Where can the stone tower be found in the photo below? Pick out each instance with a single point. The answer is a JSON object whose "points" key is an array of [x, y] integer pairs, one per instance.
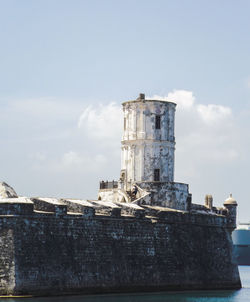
{"points": [[148, 142], [148, 147], [147, 163]]}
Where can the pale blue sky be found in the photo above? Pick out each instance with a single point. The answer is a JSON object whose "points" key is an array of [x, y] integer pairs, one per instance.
{"points": [[58, 57], [113, 49]]}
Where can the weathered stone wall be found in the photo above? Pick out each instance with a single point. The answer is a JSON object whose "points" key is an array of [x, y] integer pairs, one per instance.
{"points": [[170, 194], [145, 148], [77, 253], [7, 259]]}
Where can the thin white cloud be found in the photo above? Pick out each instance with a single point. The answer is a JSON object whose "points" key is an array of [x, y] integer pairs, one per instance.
{"points": [[213, 113], [72, 158], [205, 136], [102, 122], [71, 161], [183, 98], [203, 130], [39, 156], [38, 119], [45, 107], [86, 162]]}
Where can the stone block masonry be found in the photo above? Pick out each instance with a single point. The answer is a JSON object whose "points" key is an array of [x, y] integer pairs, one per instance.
{"points": [[7, 260], [43, 254]]}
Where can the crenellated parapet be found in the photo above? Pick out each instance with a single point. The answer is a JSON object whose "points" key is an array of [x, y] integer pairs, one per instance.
{"points": [[229, 211], [16, 206], [141, 209]]}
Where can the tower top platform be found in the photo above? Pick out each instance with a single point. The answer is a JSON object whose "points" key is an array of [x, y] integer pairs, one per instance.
{"points": [[142, 98]]}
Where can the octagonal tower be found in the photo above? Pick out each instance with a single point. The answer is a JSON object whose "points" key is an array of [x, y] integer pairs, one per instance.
{"points": [[148, 142]]}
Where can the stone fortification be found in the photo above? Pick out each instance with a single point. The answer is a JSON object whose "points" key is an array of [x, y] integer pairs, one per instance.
{"points": [[142, 234], [54, 246]]}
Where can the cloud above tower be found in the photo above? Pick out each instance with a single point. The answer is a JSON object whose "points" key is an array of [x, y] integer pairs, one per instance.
{"points": [[69, 143], [102, 121], [183, 98]]}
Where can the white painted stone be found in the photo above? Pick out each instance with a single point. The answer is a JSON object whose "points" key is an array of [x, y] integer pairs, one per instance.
{"points": [[7, 191], [145, 148]]}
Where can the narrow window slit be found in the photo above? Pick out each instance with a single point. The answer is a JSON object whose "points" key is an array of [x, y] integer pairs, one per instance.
{"points": [[156, 174], [157, 122]]}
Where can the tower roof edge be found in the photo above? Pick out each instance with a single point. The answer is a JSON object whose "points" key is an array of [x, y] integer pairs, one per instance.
{"points": [[148, 100]]}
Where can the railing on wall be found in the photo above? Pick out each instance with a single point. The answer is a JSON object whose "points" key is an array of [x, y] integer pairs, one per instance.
{"points": [[108, 184]]}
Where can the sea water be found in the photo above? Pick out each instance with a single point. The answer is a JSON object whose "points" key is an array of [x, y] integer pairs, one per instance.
{"points": [[242, 295]]}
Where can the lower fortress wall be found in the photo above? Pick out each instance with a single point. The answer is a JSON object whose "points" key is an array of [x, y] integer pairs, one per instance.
{"points": [[45, 254]]}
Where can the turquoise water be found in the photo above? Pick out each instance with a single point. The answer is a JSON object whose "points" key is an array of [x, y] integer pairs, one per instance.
{"points": [[242, 295]]}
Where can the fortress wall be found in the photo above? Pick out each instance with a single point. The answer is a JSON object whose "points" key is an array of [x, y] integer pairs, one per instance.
{"points": [[7, 261], [71, 254]]}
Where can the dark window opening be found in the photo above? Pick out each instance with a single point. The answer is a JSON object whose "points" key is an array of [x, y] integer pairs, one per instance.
{"points": [[157, 122], [156, 174]]}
